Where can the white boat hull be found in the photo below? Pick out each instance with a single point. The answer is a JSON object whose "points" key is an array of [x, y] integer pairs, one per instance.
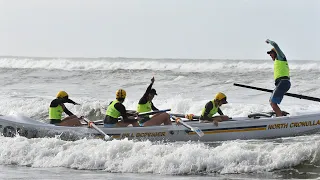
{"points": [[238, 128]]}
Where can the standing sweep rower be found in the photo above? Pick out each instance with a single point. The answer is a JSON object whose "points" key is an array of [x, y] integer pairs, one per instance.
{"points": [[57, 107], [281, 76], [145, 105]]}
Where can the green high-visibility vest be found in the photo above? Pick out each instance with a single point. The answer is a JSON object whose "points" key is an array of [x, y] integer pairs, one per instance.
{"points": [[212, 111], [281, 69], [144, 107], [112, 111], [55, 112]]}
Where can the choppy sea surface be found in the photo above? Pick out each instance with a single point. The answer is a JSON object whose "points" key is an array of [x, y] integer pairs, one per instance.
{"points": [[28, 84]]}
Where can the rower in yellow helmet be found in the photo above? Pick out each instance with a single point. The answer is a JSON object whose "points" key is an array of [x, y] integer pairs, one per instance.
{"points": [[56, 109], [213, 107], [117, 109], [145, 105], [281, 76]]}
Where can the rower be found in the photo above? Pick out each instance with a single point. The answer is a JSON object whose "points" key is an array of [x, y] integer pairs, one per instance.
{"points": [[145, 105], [212, 107], [57, 107], [281, 76], [117, 109]]}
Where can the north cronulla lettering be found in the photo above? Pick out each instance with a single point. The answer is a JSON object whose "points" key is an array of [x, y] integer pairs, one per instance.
{"points": [[278, 126], [294, 124]]}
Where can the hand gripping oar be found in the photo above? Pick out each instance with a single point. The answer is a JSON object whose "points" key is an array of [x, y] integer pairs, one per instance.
{"points": [[193, 117], [92, 125], [194, 129], [153, 112], [287, 94]]}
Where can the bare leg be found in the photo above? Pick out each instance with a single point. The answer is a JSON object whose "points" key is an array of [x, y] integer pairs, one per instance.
{"points": [[276, 109], [122, 124], [71, 121], [224, 118], [158, 119], [136, 124]]}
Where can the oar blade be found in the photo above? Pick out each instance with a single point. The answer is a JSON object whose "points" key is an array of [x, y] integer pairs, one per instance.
{"points": [[194, 129], [92, 125], [198, 131], [106, 137]]}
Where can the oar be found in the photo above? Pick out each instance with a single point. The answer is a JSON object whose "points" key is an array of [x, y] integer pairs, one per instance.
{"points": [[184, 116], [194, 129], [92, 125], [131, 111], [287, 94], [153, 112]]}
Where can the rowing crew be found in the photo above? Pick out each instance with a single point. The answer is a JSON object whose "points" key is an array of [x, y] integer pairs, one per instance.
{"points": [[117, 109]]}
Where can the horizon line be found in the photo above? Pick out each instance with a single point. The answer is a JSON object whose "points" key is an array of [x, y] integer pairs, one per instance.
{"points": [[163, 58]]}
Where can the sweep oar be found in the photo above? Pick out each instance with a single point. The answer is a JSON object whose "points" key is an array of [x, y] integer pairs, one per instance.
{"points": [[92, 125], [287, 94], [153, 112], [194, 129], [131, 111]]}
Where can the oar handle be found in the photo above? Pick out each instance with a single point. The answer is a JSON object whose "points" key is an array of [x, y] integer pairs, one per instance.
{"points": [[153, 112], [184, 116]]}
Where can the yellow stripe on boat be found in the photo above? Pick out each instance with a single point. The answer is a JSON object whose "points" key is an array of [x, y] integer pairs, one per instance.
{"points": [[231, 130]]}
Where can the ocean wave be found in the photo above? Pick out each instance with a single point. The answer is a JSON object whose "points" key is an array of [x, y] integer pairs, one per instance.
{"points": [[179, 65], [127, 156]]}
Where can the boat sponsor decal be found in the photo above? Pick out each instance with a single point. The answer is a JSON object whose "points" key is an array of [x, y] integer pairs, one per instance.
{"points": [[229, 130], [143, 134], [294, 124]]}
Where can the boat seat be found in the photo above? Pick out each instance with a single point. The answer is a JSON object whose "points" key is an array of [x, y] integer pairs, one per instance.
{"points": [[265, 114]]}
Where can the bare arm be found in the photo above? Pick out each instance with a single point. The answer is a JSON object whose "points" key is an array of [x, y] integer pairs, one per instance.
{"points": [[280, 54], [144, 98]]}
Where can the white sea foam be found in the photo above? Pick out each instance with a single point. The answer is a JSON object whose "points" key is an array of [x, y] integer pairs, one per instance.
{"points": [[158, 158]]}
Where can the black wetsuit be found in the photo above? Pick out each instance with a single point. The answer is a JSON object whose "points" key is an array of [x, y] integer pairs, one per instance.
{"points": [[207, 110], [60, 101], [144, 98], [122, 109]]}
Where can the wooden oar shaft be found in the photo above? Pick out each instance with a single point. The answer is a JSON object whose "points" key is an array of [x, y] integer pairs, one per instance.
{"points": [[287, 94], [92, 125]]}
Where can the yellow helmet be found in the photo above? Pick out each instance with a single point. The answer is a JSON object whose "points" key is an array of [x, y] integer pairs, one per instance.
{"points": [[121, 94], [221, 97], [62, 94]]}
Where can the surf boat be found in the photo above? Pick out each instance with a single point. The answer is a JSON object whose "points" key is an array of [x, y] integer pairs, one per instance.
{"points": [[255, 126]]}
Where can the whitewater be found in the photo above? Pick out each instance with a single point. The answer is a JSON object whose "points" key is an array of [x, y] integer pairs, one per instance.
{"points": [[28, 84]]}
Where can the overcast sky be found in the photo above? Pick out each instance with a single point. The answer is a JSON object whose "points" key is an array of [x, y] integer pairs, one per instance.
{"points": [[212, 29]]}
